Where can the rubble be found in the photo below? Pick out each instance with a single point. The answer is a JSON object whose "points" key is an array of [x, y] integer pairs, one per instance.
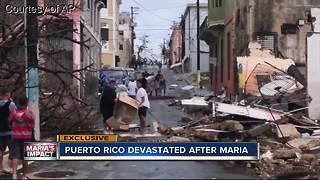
{"points": [[178, 139], [286, 153], [273, 112], [231, 125], [287, 139], [287, 131]]}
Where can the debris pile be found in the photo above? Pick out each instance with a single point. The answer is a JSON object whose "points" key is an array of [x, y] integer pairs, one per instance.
{"points": [[273, 112]]}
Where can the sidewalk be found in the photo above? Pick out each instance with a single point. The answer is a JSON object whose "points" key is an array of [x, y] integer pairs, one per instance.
{"points": [[7, 165]]}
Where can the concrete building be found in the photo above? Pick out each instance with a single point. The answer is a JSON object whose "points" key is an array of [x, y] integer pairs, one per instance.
{"points": [[125, 35], [280, 26], [189, 21], [175, 45], [109, 17], [88, 54]]}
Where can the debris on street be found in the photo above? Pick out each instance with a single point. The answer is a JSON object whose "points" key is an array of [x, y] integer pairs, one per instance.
{"points": [[273, 112], [124, 112]]}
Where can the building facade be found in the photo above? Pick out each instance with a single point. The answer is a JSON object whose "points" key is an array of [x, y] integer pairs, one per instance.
{"points": [[125, 34], [109, 33], [88, 53], [280, 26], [189, 62], [175, 45]]}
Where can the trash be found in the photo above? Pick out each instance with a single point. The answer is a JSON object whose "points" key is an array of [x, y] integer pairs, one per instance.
{"points": [[174, 102], [174, 86], [286, 153], [195, 101], [186, 120], [231, 125], [258, 130], [299, 142], [125, 111], [178, 139], [255, 113], [287, 130], [267, 155], [189, 87], [310, 158]]}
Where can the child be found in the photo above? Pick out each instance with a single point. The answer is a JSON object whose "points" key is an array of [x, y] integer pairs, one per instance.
{"points": [[144, 104], [6, 108], [22, 122]]}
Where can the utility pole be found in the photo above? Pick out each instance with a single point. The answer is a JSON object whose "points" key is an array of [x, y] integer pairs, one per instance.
{"points": [[198, 44], [132, 32], [164, 51], [132, 27], [31, 55]]}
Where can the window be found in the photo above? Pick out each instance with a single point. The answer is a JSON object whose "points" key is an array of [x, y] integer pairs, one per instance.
{"points": [[88, 4], [105, 3], [267, 40], [216, 3], [104, 34], [121, 33], [238, 16], [121, 46], [229, 56], [221, 60]]}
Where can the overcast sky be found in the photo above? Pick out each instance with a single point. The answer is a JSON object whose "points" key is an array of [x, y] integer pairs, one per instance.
{"points": [[155, 18]]}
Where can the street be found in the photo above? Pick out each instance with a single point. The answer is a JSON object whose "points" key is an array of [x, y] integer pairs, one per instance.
{"points": [[241, 77], [166, 116]]}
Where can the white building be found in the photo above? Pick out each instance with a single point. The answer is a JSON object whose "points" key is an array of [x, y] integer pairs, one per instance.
{"points": [[125, 35], [189, 19], [109, 17]]}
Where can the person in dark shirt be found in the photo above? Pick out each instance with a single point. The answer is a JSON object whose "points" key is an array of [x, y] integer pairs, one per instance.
{"points": [[107, 101]]}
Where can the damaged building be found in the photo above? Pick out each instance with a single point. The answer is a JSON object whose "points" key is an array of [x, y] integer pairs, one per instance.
{"points": [[281, 26]]}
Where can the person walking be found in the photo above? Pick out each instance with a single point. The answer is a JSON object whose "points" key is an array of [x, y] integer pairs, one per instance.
{"points": [[22, 123], [7, 107], [162, 85], [160, 65], [144, 104], [132, 88], [157, 81], [108, 100]]}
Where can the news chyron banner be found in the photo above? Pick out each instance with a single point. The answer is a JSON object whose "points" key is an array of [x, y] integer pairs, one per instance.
{"points": [[106, 147]]}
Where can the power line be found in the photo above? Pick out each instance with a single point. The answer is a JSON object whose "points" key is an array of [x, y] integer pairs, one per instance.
{"points": [[172, 7], [151, 12]]}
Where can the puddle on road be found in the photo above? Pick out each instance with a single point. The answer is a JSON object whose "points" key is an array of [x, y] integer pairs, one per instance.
{"points": [[55, 174]]}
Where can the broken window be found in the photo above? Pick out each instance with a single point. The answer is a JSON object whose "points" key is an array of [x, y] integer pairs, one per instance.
{"points": [[267, 40]]}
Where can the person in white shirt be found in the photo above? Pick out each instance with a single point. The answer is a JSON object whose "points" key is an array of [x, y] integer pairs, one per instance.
{"points": [[144, 104], [132, 88]]}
